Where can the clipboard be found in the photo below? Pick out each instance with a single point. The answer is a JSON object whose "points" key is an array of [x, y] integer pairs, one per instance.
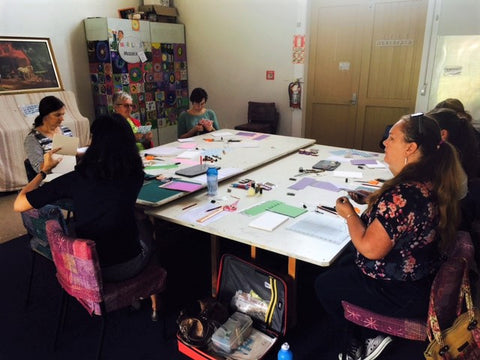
{"points": [[192, 171]]}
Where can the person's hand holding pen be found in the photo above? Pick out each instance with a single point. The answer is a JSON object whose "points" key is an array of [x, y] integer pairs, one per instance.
{"points": [[207, 124], [359, 196], [344, 208]]}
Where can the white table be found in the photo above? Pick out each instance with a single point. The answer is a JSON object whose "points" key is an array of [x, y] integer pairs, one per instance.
{"points": [[234, 225], [236, 157]]}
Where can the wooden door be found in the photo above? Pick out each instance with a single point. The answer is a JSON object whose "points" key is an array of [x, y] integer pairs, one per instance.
{"points": [[364, 63]]}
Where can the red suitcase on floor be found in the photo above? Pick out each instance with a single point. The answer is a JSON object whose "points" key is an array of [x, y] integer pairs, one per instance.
{"points": [[245, 289]]}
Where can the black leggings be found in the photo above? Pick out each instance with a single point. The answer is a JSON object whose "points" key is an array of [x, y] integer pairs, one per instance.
{"points": [[345, 281]]}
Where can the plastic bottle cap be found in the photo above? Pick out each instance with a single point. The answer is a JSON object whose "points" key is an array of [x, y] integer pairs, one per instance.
{"points": [[285, 346]]}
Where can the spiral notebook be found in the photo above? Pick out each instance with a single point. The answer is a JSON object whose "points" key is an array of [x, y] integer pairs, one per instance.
{"points": [[322, 226]]}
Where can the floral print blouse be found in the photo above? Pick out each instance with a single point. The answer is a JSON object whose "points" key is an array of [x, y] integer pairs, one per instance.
{"points": [[409, 214]]}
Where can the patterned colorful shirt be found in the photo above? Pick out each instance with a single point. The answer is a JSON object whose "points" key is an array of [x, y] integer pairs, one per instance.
{"points": [[409, 214]]}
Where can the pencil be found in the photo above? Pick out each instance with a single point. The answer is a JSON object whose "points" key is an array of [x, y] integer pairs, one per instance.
{"points": [[189, 206], [214, 208]]}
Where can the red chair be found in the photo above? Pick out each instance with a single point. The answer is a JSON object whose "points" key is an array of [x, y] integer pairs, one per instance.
{"points": [[79, 274], [445, 289]]}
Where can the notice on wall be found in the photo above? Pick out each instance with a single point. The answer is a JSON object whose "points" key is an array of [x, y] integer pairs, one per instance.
{"points": [[298, 51]]}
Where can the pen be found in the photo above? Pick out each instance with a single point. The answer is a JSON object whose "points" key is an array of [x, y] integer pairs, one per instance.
{"points": [[214, 208], [189, 206], [241, 186], [327, 209]]}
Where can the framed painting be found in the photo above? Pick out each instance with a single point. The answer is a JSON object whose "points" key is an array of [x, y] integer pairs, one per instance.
{"points": [[27, 65]]}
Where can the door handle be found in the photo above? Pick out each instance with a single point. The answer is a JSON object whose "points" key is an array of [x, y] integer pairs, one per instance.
{"points": [[353, 101]]}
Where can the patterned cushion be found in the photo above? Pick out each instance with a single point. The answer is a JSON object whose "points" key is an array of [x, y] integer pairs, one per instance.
{"points": [[34, 221], [413, 329], [78, 272], [445, 290]]}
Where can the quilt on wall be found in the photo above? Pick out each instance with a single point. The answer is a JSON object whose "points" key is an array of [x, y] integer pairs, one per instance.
{"points": [[158, 85]]}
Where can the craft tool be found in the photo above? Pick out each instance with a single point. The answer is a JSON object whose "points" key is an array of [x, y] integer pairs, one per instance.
{"points": [[327, 209], [212, 214], [214, 208], [189, 206], [241, 186]]}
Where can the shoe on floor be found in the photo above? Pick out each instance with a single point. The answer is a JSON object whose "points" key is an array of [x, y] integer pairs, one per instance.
{"points": [[354, 352], [375, 346]]}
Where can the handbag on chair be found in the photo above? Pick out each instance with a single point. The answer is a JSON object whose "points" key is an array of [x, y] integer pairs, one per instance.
{"points": [[462, 339]]}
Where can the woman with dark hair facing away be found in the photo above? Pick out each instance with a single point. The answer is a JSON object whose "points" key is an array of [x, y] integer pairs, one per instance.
{"points": [[459, 132], [398, 240], [197, 120], [104, 188], [456, 105], [46, 125]]}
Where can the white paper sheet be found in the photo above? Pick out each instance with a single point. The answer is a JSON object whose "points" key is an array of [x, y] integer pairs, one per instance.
{"points": [[68, 144]]}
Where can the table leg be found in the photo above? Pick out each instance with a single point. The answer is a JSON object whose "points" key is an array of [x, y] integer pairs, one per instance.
{"points": [[214, 251], [253, 252], [292, 266]]}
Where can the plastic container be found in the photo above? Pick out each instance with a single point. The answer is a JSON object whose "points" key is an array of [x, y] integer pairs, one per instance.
{"points": [[212, 181], [285, 353], [233, 333]]}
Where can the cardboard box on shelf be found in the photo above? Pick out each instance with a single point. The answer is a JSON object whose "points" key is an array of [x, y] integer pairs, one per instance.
{"points": [[157, 2], [159, 13]]}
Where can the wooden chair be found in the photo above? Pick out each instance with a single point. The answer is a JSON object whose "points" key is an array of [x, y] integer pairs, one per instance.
{"points": [[262, 117], [79, 274], [445, 289]]}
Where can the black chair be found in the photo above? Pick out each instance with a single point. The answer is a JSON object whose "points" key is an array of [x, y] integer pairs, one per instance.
{"points": [[262, 117], [65, 204], [31, 173]]}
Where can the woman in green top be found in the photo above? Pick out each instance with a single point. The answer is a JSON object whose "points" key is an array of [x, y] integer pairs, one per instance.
{"points": [[198, 119]]}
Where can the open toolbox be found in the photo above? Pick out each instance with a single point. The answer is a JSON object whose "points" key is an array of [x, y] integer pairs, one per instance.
{"points": [[257, 302]]}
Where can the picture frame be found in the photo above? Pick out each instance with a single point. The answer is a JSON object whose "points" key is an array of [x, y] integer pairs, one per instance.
{"points": [[123, 13], [27, 65]]}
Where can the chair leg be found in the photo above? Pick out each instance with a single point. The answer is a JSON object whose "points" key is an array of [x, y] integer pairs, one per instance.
{"points": [[154, 307], [61, 317], [102, 335], [30, 279]]}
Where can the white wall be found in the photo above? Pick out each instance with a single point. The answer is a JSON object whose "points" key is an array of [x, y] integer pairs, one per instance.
{"points": [[231, 44], [62, 22], [445, 17]]}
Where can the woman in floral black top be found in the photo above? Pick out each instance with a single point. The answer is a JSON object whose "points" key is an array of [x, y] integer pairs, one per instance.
{"points": [[398, 239]]}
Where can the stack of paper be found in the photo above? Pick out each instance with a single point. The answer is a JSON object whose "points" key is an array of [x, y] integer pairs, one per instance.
{"points": [[269, 221]]}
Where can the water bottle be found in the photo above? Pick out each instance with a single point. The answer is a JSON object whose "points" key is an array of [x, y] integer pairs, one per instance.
{"points": [[212, 181], [285, 353]]}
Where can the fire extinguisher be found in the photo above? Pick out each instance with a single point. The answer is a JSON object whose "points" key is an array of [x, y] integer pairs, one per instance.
{"points": [[294, 93]]}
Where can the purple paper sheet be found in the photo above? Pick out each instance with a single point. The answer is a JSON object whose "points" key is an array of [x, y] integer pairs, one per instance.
{"points": [[241, 133], [261, 137], [363, 161], [326, 186], [182, 186], [302, 184]]}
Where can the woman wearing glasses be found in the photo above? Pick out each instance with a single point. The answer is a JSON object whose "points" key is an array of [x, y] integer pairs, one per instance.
{"points": [[123, 105], [198, 119], [398, 240]]}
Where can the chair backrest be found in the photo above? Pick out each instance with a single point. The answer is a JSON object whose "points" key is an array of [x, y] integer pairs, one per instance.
{"points": [[78, 268], [446, 286], [30, 171], [261, 112], [35, 221]]}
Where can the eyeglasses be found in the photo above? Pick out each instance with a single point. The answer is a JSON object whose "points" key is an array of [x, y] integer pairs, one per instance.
{"points": [[420, 122], [126, 105]]}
